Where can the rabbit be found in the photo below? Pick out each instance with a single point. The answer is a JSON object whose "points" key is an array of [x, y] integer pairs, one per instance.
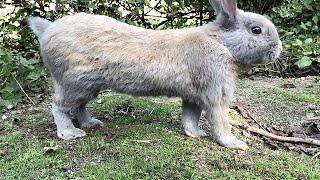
{"points": [[89, 53]]}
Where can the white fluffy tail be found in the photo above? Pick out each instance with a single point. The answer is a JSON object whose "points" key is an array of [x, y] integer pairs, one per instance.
{"points": [[38, 25]]}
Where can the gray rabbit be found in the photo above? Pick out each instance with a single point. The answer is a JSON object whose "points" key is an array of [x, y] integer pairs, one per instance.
{"points": [[88, 53]]}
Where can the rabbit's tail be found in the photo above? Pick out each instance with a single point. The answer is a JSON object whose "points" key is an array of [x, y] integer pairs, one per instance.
{"points": [[38, 25]]}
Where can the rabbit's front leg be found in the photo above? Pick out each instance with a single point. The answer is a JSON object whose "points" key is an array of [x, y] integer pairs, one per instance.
{"points": [[191, 113], [221, 129]]}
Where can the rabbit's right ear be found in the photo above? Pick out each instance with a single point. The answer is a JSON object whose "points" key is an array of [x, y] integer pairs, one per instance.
{"points": [[226, 10]]}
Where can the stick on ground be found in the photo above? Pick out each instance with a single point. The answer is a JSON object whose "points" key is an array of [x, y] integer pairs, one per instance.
{"points": [[280, 138]]}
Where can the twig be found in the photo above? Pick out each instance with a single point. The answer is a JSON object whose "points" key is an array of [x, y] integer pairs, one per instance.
{"points": [[257, 122], [313, 119], [151, 111], [153, 8], [245, 114], [313, 157], [280, 138], [146, 141], [23, 90]]}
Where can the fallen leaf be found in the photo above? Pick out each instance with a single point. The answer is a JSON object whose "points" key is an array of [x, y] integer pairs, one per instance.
{"points": [[312, 129], [3, 153], [110, 137], [94, 128], [51, 150], [290, 85], [309, 86], [309, 129]]}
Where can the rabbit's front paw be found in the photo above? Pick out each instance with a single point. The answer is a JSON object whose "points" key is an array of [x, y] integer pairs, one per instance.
{"points": [[71, 133], [231, 141]]}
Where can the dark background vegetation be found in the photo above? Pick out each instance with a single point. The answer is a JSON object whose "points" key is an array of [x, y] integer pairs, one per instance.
{"points": [[21, 68]]}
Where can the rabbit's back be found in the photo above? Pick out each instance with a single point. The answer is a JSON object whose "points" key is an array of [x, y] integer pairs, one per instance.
{"points": [[126, 58], [83, 39]]}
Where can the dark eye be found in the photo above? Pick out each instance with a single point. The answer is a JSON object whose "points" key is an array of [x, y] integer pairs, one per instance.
{"points": [[256, 30]]}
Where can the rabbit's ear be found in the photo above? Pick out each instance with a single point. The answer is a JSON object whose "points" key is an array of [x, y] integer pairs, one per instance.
{"points": [[226, 9], [216, 4]]}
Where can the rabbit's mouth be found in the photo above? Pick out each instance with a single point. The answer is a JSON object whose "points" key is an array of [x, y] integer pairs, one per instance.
{"points": [[274, 53]]}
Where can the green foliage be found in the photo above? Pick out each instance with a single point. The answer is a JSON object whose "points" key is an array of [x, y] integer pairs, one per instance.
{"points": [[16, 71], [20, 66], [299, 21]]}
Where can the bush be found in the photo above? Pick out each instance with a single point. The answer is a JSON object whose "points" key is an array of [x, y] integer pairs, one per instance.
{"points": [[20, 66], [299, 21]]}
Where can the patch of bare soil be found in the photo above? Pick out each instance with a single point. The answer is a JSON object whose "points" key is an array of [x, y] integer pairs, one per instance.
{"points": [[278, 112], [277, 121]]}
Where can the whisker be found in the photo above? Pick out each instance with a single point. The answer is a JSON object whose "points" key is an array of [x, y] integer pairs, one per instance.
{"points": [[278, 67]]}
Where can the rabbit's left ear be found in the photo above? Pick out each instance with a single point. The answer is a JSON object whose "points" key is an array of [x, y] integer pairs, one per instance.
{"points": [[226, 10]]}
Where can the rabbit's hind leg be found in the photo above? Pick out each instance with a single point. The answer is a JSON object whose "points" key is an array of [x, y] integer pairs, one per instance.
{"points": [[190, 119], [61, 109], [85, 119]]}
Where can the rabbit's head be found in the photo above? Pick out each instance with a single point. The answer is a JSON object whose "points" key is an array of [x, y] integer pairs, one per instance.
{"points": [[250, 37]]}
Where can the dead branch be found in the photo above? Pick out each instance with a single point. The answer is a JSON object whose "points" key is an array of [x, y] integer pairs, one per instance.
{"points": [[313, 157], [245, 114], [280, 138], [314, 119]]}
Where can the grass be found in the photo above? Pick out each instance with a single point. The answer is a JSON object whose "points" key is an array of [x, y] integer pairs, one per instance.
{"points": [[142, 139], [281, 95], [275, 90]]}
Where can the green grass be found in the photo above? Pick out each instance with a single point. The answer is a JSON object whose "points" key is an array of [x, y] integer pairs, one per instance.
{"points": [[24, 158], [144, 141], [296, 98]]}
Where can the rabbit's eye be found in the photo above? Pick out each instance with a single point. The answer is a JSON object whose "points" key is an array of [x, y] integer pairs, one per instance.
{"points": [[256, 30]]}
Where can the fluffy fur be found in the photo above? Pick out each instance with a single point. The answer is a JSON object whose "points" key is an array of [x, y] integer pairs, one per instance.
{"points": [[88, 53]]}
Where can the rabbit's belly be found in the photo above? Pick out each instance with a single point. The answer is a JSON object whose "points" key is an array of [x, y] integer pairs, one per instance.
{"points": [[88, 83], [142, 88]]}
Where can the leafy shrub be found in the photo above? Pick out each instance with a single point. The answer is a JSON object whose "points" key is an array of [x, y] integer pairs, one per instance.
{"points": [[16, 71], [299, 22]]}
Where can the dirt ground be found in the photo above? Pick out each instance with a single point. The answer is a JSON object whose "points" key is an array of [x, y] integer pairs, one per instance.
{"points": [[280, 102]]}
